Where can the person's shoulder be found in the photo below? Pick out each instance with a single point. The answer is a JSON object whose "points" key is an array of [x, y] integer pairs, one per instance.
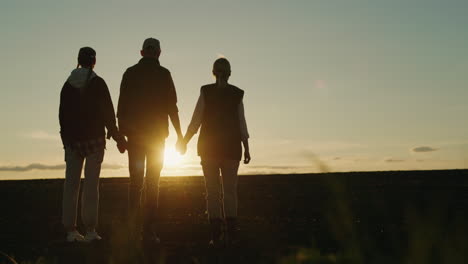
{"points": [[236, 89], [164, 70], [207, 87], [66, 86], [131, 68], [98, 80]]}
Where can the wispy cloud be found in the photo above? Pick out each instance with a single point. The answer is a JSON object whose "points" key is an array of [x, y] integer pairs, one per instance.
{"points": [[39, 166], [276, 169], [392, 160], [107, 166], [423, 149], [42, 135], [34, 166], [273, 167]]}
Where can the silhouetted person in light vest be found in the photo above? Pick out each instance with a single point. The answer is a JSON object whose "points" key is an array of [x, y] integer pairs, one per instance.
{"points": [[85, 111], [147, 98], [220, 113]]}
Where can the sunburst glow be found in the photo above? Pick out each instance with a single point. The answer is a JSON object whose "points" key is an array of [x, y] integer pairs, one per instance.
{"points": [[172, 157]]}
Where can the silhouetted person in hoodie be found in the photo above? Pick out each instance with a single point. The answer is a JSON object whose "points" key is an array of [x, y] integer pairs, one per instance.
{"points": [[147, 99], [85, 111]]}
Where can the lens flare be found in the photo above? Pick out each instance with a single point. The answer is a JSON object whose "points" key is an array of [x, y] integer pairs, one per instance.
{"points": [[172, 157]]}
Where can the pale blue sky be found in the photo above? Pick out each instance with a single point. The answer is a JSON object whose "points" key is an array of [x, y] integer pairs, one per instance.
{"points": [[357, 83]]}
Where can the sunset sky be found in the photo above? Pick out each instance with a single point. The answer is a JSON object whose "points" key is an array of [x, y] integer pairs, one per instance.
{"points": [[355, 85]]}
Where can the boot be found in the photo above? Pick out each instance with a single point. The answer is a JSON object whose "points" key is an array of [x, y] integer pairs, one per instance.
{"points": [[232, 231], [216, 229]]}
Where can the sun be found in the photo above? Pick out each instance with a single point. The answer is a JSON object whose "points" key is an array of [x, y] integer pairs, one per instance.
{"points": [[172, 157]]}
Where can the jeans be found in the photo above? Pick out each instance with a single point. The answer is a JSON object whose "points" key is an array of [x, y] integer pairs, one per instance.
{"points": [[90, 197], [221, 192], [143, 189]]}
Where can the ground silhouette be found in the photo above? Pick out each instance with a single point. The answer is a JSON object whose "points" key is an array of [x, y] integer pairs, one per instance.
{"points": [[361, 217]]}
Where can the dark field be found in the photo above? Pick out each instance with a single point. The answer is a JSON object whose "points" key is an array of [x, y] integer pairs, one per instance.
{"points": [[372, 217]]}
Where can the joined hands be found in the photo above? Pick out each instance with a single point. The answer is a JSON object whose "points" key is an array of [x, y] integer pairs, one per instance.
{"points": [[181, 146], [121, 142]]}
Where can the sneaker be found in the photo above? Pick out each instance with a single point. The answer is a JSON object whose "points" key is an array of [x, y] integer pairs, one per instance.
{"points": [[216, 244], [75, 236], [91, 236]]}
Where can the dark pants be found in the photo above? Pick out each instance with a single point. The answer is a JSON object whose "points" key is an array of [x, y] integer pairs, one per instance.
{"points": [[143, 189]]}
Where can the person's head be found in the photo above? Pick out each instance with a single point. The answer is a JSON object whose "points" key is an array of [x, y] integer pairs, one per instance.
{"points": [[222, 69], [86, 57], [151, 48]]}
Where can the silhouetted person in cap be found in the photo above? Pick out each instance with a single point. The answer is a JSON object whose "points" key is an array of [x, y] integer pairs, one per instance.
{"points": [[220, 113], [85, 111], [147, 98]]}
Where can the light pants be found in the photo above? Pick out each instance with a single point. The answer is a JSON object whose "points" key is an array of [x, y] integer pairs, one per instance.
{"points": [[221, 192], [143, 190], [90, 197]]}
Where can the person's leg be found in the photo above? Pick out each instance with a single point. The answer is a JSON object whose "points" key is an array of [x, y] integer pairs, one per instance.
{"points": [[213, 187], [154, 165], [229, 169], [213, 199], [136, 165], [71, 188], [90, 197]]}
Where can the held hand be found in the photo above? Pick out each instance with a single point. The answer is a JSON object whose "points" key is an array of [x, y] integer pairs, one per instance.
{"points": [[181, 146], [121, 142], [122, 145], [247, 157]]}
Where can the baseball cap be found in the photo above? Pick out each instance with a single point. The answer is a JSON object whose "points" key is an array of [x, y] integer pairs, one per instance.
{"points": [[151, 43]]}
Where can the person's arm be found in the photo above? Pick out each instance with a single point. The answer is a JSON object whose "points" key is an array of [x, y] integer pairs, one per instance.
{"points": [[196, 121], [61, 110], [247, 157], [62, 118], [108, 113], [122, 104], [244, 133], [180, 146], [173, 111], [109, 119], [176, 123]]}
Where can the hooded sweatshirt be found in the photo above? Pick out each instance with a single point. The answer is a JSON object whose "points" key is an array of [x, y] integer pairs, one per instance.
{"points": [[86, 108], [79, 76]]}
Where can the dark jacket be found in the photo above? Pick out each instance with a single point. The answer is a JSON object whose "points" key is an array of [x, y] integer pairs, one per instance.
{"points": [[147, 97], [220, 136], [85, 111]]}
